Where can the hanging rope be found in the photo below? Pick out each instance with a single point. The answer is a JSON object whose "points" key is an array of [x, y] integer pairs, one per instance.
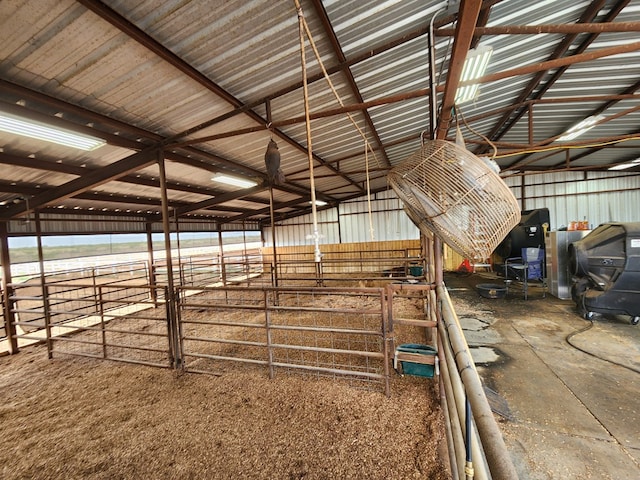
{"points": [[366, 163], [305, 88], [367, 146], [335, 92], [458, 111]]}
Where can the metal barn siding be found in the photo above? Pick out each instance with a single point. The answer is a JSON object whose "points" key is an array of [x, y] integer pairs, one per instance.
{"points": [[597, 197], [349, 224]]}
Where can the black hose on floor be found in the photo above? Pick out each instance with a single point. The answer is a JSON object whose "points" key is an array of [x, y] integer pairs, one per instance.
{"points": [[588, 327]]}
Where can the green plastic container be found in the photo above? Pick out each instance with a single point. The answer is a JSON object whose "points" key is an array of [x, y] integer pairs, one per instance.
{"points": [[416, 270], [414, 368]]}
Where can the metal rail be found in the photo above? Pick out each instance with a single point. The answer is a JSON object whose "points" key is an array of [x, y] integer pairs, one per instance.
{"points": [[287, 328], [461, 384]]}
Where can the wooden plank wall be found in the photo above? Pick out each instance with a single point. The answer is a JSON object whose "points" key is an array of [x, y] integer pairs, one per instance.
{"points": [[391, 249]]}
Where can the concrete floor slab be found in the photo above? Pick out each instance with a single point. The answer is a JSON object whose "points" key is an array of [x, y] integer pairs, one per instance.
{"points": [[539, 399], [572, 387], [550, 455], [609, 392]]}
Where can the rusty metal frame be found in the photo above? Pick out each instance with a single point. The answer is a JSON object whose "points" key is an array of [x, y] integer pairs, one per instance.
{"points": [[268, 304]]}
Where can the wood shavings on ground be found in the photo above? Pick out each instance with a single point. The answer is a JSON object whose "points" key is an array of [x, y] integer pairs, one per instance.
{"points": [[76, 418]]}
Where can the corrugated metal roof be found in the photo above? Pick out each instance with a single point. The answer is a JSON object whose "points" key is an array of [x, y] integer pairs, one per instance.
{"points": [[152, 74]]}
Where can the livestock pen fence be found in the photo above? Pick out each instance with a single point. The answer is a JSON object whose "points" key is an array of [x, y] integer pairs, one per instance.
{"points": [[365, 263], [346, 334], [214, 322], [342, 333]]}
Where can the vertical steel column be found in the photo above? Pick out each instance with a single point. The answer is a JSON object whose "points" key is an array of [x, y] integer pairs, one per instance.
{"points": [[433, 86], [267, 320], [273, 238], [45, 292], [170, 292], [386, 297], [181, 273], [245, 258], [433, 131], [437, 260], [103, 326], [7, 289], [94, 280], [223, 270], [339, 229], [151, 267]]}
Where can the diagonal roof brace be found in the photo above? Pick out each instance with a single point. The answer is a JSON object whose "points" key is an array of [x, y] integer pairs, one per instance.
{"points": [[109, 15], [114, 171], [225, 197]]}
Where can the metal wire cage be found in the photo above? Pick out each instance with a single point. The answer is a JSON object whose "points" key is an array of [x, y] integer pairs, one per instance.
{"points": [[457, 196]]}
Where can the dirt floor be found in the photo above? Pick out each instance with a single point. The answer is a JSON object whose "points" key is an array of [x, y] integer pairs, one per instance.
{"points": [[77, 418]]}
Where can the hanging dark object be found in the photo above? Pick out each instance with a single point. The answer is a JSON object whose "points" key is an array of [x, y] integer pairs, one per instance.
{"points": [[275, 176]]}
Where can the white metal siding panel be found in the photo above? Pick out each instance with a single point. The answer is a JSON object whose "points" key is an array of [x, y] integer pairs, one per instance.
{"points": [[599, 198], [388, 219]]}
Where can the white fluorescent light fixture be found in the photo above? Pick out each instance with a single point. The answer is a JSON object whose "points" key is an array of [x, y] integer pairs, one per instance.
{"points": [[624, 166], [474, 67], [41, 131], [319, 203], [580, 128], [234, 181]]}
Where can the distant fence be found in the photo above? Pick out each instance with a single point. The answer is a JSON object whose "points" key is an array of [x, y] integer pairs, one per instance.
{"points": [[21, 271], [352, 262]]}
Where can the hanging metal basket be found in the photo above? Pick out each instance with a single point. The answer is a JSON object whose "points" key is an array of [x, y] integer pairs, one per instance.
{"points": [[457, 196]]}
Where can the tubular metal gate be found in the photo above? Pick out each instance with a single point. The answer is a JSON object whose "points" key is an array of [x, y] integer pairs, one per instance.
{"points": [[335, 332], [115, 322]]}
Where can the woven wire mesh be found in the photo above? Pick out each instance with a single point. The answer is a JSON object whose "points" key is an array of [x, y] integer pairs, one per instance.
{"points": [[457, 196]]}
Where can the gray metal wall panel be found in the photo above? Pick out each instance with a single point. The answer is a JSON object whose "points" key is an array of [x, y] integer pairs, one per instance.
{"points": [[351, 223], [572, 196]]}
